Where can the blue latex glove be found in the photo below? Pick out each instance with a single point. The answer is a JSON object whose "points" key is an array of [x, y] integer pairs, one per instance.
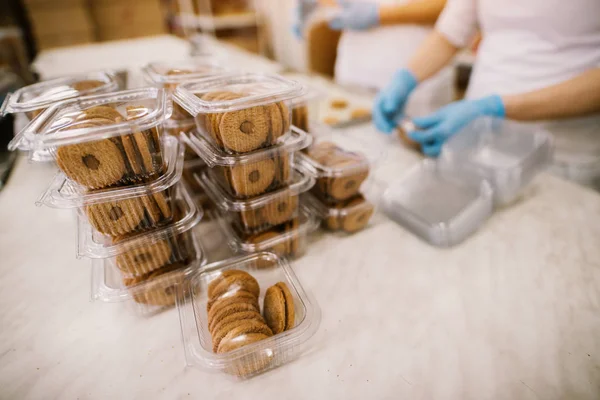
{"points": [[355, 16], [302, 11], [390, 102], [448, 120]]}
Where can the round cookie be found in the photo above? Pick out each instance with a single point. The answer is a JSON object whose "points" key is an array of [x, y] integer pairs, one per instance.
{"points": [[278, 308], [116, 218], [221, 329], [280, 210], [276, 122], [161, 289], [357, 219], [248, 364], [253, 178], [285, 116], [145, 259], [217, 315], [280, 248], [241, 296], [331, 120], [233, 279], [245, 130], [283, 169], [106, 112], [245, 327], [360, 113], [345, 187], [239, 316], [86, 85], [339, 104]]}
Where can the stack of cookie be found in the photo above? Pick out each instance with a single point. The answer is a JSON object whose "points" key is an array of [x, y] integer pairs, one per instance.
{"points": [[245, 137], [234, 316], [336, 197], [121, 173]]}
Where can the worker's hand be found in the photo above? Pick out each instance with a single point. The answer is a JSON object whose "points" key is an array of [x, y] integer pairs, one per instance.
{"points": [[356, 16], [302, 11], [447, 121], [390, 102]]}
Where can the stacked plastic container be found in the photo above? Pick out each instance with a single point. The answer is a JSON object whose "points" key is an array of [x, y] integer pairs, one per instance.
{"points": [[121, 172], [342, 167], [245, 137]]}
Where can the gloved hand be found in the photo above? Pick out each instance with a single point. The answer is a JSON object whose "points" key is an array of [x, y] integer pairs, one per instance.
{"points": [[448, 120], [356, 16], [302, 11], [390, 102]]}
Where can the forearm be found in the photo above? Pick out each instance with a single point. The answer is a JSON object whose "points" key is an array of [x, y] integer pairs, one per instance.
{"points": [[423, 12], [435, 53], [576, 97]]}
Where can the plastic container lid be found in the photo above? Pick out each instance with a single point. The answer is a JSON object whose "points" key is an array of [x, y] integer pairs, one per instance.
{"points": [[107, 278], [213, 156], [64, 193], [92, 244], [172, 73], [257, 357], [48, 129], [505, 153], [440, 205], [301, 183], [44, 94], [258, 89]]}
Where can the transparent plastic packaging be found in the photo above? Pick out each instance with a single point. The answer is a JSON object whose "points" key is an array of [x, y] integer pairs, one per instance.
{"points": [[241, 345], [34, 99], [144, 252], [169, 74], [251, 174], [105, 140], [286, 240], [506, 154], [176, 128], [439, 205], [148, 293], [349, 216], [262, 212], [192, 168], [240, 113], [306, 109], [127, 209]]}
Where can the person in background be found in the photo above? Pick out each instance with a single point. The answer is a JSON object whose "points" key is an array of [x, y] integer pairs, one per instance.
{"points": [[379, 37], [539, 61]]}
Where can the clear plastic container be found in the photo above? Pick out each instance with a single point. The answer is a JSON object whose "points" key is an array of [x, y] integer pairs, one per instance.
{"points": [[176, 128], [286, 240], [306, 109], [262, 212], [144, 252], [149, 293], [439, 205], [34, 99], [340, 164], [169, 74], [260, 352], [505, 153], [127, 209], [190, 169], [105, 140], [251, 174], [240, 113], [349, 216]]}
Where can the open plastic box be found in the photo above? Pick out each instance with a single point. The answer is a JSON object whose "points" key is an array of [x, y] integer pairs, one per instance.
{"points": [[268, 269], [488, 163]]}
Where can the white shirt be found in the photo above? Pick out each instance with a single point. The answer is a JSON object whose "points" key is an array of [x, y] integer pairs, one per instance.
{"points": [[370, 58], [528, 45]]}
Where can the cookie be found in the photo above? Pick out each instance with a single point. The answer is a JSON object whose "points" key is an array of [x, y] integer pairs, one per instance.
{"points": [[240, 296], [250, 363], [281, 210], [331, 120], [276, 121], [280, 248], [116, 218], [300, 117], [359, 218], [360, 113], [143, 148], [252, 179], [236, 335], [235, 317], [161, 288], [221, 329], [278, 308], [338, 104], [284, 110], [101, 112], [233, 280], [282, 170], [146, 258], [345, 187], [217, 315], [86, 85], [294, 238], [245, 130]]}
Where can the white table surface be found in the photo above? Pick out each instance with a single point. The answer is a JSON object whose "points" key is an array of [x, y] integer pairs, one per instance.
{"points": [[512, 313]]}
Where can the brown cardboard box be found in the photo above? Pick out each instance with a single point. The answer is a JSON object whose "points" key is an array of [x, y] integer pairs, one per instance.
{"points": [[128, 32], [64, 39], [59, 20], [130, 12]]}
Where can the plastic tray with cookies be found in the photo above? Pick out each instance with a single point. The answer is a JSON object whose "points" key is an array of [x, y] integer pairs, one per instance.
{"points": [[349, 216], [163, 243], [245, 315], [263, 212], [176, 128], [305, 109], [289, 239], [150, 292], [105, 140], [169, 74], [125, 209], [240, 113], [251, 174]]}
